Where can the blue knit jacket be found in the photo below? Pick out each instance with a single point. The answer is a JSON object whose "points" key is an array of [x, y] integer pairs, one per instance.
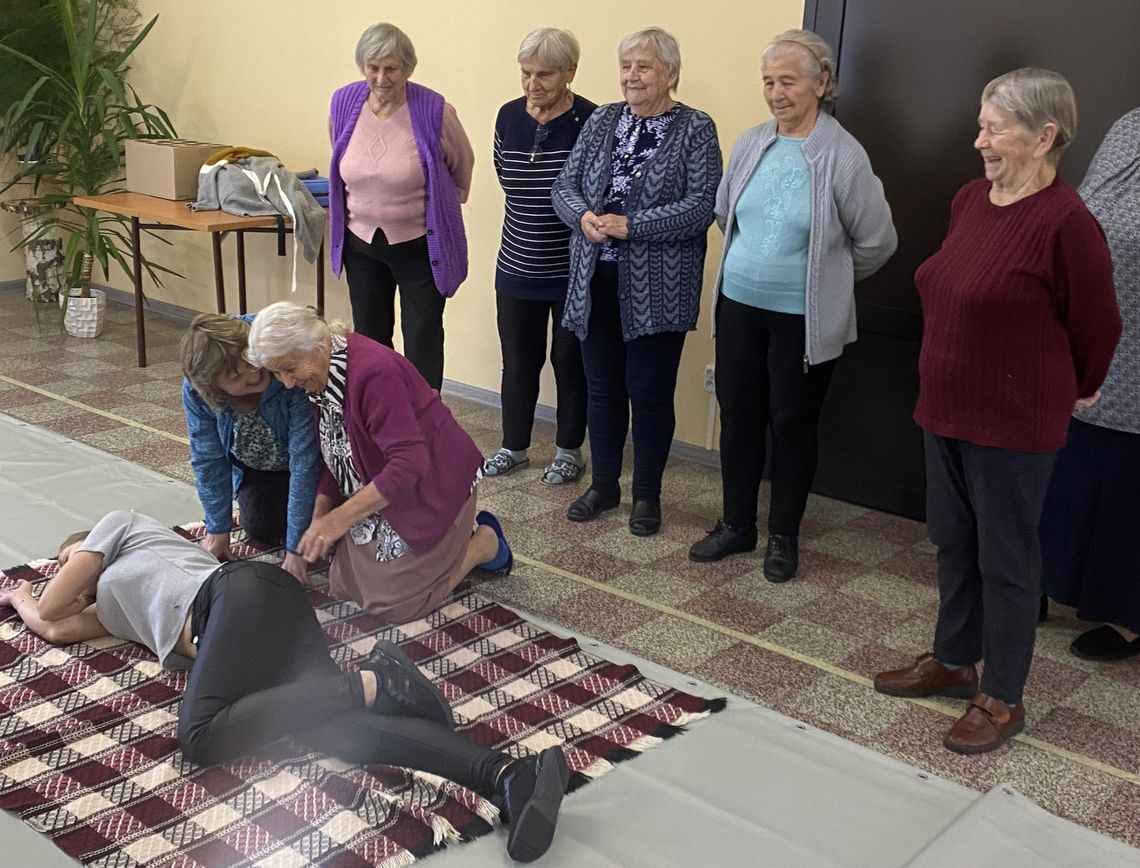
{"points": [[669, 209]]}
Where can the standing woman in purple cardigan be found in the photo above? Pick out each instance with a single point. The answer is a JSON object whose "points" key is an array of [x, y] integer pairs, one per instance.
{"points": [[395, 505], [401, 167]]}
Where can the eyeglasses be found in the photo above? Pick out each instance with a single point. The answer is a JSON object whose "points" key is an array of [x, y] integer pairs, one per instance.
{"points": [[540, 134]]}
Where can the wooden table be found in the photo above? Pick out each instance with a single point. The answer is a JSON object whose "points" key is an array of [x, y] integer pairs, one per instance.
{"points": [[167, 214]]}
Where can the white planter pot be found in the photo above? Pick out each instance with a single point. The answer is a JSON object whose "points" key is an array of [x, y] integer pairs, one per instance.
{"points": [[83, 317]]}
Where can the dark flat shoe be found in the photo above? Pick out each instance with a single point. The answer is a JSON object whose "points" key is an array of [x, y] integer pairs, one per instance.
{"points": [[1104, 643], [645, 516], [782, 557], [593, 503]]}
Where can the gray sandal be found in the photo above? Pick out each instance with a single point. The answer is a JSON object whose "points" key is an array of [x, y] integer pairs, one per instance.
{"points": [[502, 463], [560, 471]]}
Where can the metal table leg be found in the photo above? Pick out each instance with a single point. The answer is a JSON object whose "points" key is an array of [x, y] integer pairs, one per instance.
{"points": [[136, 262], [241, 270], [219, 277]]}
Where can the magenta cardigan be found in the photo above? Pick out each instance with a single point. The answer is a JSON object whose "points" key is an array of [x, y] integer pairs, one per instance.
{"points": [[406, 441], [446, 237]]}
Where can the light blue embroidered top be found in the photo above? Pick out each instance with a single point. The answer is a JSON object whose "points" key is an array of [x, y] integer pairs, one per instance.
{"points": [[766, 263]]}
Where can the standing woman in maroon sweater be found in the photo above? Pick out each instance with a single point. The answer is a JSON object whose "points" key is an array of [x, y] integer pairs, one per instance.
{"points": [[1020, 324]]}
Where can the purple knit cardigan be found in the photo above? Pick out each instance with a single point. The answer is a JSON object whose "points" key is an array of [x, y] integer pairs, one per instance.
{"points": [[446, 238]]}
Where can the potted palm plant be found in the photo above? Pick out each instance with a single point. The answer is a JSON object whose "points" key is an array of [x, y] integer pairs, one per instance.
{"points": [[67, 131]]}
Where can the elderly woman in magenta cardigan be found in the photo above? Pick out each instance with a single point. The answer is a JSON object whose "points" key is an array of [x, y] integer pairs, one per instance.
{"points": [[396, 502], [401, 166], [638, 193]]}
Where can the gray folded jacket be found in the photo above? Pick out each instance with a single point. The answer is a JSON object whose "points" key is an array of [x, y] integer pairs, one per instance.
{"points": [[261, 186]]}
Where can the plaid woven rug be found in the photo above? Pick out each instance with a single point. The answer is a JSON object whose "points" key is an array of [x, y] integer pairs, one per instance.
{"points": [[89, 756]]}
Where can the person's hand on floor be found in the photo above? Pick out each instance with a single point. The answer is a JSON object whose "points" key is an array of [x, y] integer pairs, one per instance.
{"points": [[295, 566], [9, 596], [218, 544]]}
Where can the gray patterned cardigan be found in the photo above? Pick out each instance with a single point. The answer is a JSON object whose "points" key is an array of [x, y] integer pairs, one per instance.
{"points": [[669, 209], [1111, 189]]}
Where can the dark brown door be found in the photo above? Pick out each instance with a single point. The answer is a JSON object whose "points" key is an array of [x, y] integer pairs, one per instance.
{"points": [[910, 75]]}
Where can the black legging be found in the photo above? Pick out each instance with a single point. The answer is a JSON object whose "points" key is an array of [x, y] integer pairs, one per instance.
{"points": [[263, 671]]}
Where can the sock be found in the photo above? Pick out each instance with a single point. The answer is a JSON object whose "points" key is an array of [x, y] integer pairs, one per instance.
{"points": [[574, 456], [516, 454], [951, 666]]}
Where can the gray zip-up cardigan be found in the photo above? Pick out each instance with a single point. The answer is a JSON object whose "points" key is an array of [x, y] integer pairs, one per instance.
{"points": [[851, 233], [669, 209]]}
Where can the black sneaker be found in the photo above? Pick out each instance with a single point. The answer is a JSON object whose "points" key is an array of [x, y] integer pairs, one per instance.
{"points": [[402, 689], [533, 789], [781, 558], [722, 541]]}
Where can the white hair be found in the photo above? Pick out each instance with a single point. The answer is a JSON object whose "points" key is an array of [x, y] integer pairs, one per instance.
{"points": [[1037, 97], [382, 40], [660, 42], [554, 48], [815, 54], [282, 328]]}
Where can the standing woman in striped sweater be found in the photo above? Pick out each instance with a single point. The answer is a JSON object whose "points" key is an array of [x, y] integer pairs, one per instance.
{"points": [[534, 135], [1019, 326]]}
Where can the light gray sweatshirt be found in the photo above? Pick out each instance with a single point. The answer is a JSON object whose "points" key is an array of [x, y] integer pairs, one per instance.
{"points": [[851, 232]]}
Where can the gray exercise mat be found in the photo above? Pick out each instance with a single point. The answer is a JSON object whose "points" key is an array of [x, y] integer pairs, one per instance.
{"points": [[746, 787]]}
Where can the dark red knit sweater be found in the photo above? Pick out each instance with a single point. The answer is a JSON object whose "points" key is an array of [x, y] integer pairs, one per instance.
{"points": [[1020, 319]]}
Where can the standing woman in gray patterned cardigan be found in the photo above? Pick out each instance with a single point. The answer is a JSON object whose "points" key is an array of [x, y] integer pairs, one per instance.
{"points": [[638, 193], [804, 217], [1089, 539]]}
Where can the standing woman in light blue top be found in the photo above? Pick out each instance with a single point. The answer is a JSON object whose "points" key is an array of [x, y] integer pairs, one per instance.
{"points": [[249, 436], [803, 217]]}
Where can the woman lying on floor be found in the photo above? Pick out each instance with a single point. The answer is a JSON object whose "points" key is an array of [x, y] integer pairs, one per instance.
{"points": [[132, 578]]}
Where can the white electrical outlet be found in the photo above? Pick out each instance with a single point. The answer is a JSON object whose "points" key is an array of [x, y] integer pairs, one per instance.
{"points": [[710, 379]]}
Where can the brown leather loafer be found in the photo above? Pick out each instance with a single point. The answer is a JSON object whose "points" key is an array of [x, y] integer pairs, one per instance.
{"points": [[987, 724], [928, 677]]}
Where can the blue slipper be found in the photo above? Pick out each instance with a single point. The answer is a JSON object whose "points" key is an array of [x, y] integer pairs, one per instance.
{"points": [[501, 564]]}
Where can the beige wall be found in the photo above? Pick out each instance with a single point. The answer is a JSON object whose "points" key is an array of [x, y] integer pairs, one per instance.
{"points": [[260, 74]]}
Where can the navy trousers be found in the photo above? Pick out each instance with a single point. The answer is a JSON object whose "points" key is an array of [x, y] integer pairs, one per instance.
{"points": [[983, 509]]}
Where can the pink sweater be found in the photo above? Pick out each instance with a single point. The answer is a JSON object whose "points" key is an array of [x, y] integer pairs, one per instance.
{"points": [[1020, 319], [383, 177]]}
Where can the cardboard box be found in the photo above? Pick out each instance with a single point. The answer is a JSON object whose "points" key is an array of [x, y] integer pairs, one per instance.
{"points": [[167, 168]]}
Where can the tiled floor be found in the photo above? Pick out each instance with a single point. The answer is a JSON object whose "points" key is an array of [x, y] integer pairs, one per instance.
{"points": [[865, 598]]}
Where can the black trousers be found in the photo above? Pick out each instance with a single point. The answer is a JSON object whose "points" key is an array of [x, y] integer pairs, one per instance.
{"points": [[620, 374], [263, 672], [983, 509], [523, 327], [374, 271], [263, 504], [761, 384]]}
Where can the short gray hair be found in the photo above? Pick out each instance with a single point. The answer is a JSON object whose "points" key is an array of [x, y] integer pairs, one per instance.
{"points": [[1037, 97], [282, 328], [662, 43], [815, 50], [380, 41], [554, 48]]}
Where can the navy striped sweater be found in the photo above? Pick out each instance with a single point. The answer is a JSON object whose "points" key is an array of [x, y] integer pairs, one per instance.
{"points": [[534, 255]]}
